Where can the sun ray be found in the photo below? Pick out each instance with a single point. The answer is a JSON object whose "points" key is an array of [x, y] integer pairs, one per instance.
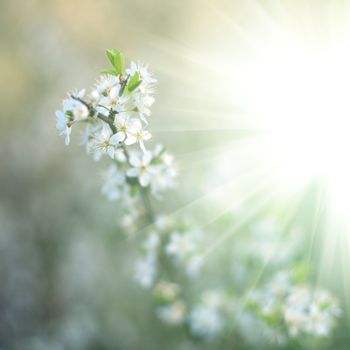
{"points": [[196, 207], [319, 210], [254, 209]]}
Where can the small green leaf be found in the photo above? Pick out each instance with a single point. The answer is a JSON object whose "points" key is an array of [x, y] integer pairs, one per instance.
{"points": [[119, 62], [134, 82], [111, 53], [109, 71]]}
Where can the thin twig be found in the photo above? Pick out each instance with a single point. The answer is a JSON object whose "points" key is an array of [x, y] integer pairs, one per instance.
{"points": [[147, 204], [123, 85], [98, 115]]}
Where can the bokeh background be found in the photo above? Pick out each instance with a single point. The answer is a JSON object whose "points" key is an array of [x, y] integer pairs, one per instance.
{"points": [[64, 264]]}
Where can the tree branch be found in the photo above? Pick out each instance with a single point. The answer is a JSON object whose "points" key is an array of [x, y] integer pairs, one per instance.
{"points": [[98, 115]]}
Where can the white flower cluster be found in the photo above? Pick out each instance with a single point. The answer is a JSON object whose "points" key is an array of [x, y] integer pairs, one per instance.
{"points": [[114, 115], [172, 249], [283, 308], [177, 244], [291, 309], [206, 318], [172, 309], [310, 312], [146, 266]]}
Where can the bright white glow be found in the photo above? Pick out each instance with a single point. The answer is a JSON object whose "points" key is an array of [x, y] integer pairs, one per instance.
{"points": [[300, 96]]}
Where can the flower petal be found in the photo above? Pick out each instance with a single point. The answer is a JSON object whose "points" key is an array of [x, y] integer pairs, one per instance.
{"points": [[116, 138], [111, 151], [146, 135], [145, 179], [133, 172], [142, 146], [135, 161], [146, 158], [113, 93], [135, 124], [81, 93], [67, 138], [130, 140]]}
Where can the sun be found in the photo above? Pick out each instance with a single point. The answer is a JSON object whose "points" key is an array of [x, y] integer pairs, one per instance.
{"points": [[299, 95]]}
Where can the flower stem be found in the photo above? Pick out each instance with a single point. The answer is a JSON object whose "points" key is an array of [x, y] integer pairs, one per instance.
{"points": [[147, 205], [123, 85], [98, 115], [108, 121]]}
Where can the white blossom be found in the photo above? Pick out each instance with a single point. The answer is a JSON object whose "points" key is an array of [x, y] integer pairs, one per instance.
{"points": [[146, 77], [80, 112], [214, 299], [163, 222], [76, 108], [124, 125], [105, 142], [319, 322], [167, 291], [114, 102], [143, 104], [145, 270], [137, 135], [72, 111], [310, 312], [194, 265], [152, 242], [205, 321], [172, 314], [120, 155], [113, 184], [106, 84], [141, 168], [181, 245], [88, 134], [63, 126]]}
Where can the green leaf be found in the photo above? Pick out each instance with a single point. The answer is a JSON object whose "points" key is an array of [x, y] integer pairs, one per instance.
{"points": [[109, 71], [111, 53], [119, 62], [134, 82]]}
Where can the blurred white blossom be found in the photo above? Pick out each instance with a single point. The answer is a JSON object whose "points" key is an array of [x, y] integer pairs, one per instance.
{"points": [[141, 168], [145, 270], [172, 314], [205, 321], [310, 312], [182, 244]]}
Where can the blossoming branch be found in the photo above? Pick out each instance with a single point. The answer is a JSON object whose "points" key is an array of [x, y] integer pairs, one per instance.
{"points": [[115, 118], [283, 309]]}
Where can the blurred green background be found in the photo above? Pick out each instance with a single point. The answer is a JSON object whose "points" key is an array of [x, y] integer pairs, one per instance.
{"points": [[65, 267]]}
